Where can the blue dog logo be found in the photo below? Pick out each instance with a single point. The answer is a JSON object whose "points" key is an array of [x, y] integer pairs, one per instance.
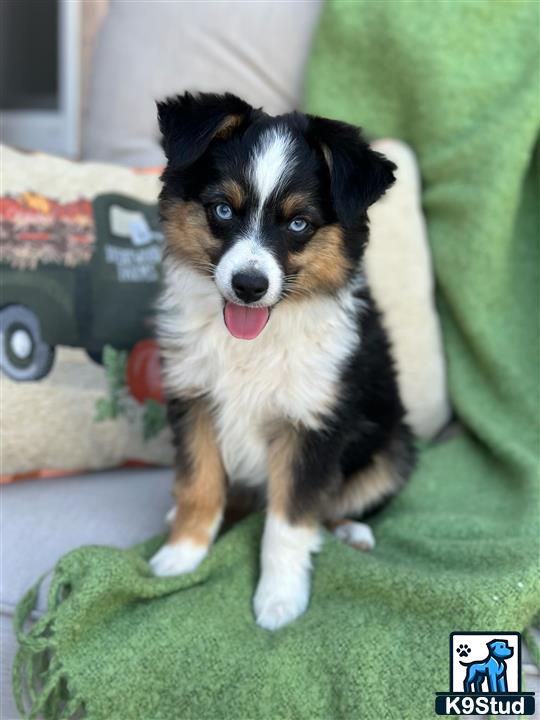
{"points": [[493, 669], [489, 686]]}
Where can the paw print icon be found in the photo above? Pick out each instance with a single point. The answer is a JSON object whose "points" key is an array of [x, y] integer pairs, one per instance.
{"points": [[463, 650]]}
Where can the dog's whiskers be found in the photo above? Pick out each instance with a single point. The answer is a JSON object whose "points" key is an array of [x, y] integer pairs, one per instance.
{"points": [[206, 267], [290, 290]]}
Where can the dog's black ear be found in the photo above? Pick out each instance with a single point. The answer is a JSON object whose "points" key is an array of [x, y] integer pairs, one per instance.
{"points": [[189, 123], [358, 174]]}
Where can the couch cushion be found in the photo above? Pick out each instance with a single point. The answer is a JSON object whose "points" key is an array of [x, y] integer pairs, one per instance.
{"points": [[41, 521], [254, 49]]}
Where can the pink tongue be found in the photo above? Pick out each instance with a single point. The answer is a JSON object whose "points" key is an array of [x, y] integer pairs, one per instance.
{"points": [[245, 322]]}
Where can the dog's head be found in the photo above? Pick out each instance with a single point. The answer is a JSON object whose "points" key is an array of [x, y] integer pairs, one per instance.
{"points": [[499, 649], [269, 208]]}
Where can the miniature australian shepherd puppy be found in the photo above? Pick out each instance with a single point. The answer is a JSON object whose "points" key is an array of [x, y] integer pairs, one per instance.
{"points": [[277, 369]]}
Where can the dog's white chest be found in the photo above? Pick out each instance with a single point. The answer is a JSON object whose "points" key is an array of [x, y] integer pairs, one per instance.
{"points": [[289, 372], [258, 382]]}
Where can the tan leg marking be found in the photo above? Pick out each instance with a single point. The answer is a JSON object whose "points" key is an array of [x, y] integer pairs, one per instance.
{"points": [[200, 485]]}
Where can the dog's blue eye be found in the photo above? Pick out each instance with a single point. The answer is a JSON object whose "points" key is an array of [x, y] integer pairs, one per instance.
{"points": [[298, 225], [223, 211]]}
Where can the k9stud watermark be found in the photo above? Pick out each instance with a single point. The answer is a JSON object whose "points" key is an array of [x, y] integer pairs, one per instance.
{"points": [[485, 676]]}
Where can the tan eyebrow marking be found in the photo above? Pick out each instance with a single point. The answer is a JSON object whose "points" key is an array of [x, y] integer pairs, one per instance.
{"points": [[234, 192], [294, 203]]}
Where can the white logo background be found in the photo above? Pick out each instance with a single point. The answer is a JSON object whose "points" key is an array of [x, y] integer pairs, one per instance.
{"points": [[479, 651]]}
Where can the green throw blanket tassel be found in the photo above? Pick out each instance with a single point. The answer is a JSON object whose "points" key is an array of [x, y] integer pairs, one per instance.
{"points": [[458, 549]]}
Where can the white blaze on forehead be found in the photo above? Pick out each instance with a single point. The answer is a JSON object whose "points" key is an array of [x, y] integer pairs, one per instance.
{"points": [[271, 162]]}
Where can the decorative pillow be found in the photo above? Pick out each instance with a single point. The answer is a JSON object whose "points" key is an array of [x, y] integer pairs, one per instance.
{"points": [[81, 249], [398, 265]]}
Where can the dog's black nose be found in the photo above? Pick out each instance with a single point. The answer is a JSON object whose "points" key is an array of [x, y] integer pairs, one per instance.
{"points": [[249, 286]]}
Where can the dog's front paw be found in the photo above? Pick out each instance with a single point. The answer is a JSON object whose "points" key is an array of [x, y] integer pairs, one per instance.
{"points": [[178, 558], [356, 534], [279, 601]]}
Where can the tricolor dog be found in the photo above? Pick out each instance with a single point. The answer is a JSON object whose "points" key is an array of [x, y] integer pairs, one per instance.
{"points": [[278, 372]]}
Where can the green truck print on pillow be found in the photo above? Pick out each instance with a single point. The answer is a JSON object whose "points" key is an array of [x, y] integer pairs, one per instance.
{"points": [[82, 274]]}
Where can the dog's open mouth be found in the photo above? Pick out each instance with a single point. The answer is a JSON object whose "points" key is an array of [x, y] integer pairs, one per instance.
{"points": [[245, 322]]}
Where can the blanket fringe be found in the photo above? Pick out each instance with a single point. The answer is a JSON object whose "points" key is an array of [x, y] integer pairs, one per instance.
{"points": [[40, 684]]}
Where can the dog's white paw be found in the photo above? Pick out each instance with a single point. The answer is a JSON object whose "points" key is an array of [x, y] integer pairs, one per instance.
{"points": [[280, 600], [182, 557], [357, 534]]}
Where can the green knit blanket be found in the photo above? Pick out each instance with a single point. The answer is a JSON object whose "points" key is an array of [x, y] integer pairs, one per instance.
{"points": [[458, 549]]}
